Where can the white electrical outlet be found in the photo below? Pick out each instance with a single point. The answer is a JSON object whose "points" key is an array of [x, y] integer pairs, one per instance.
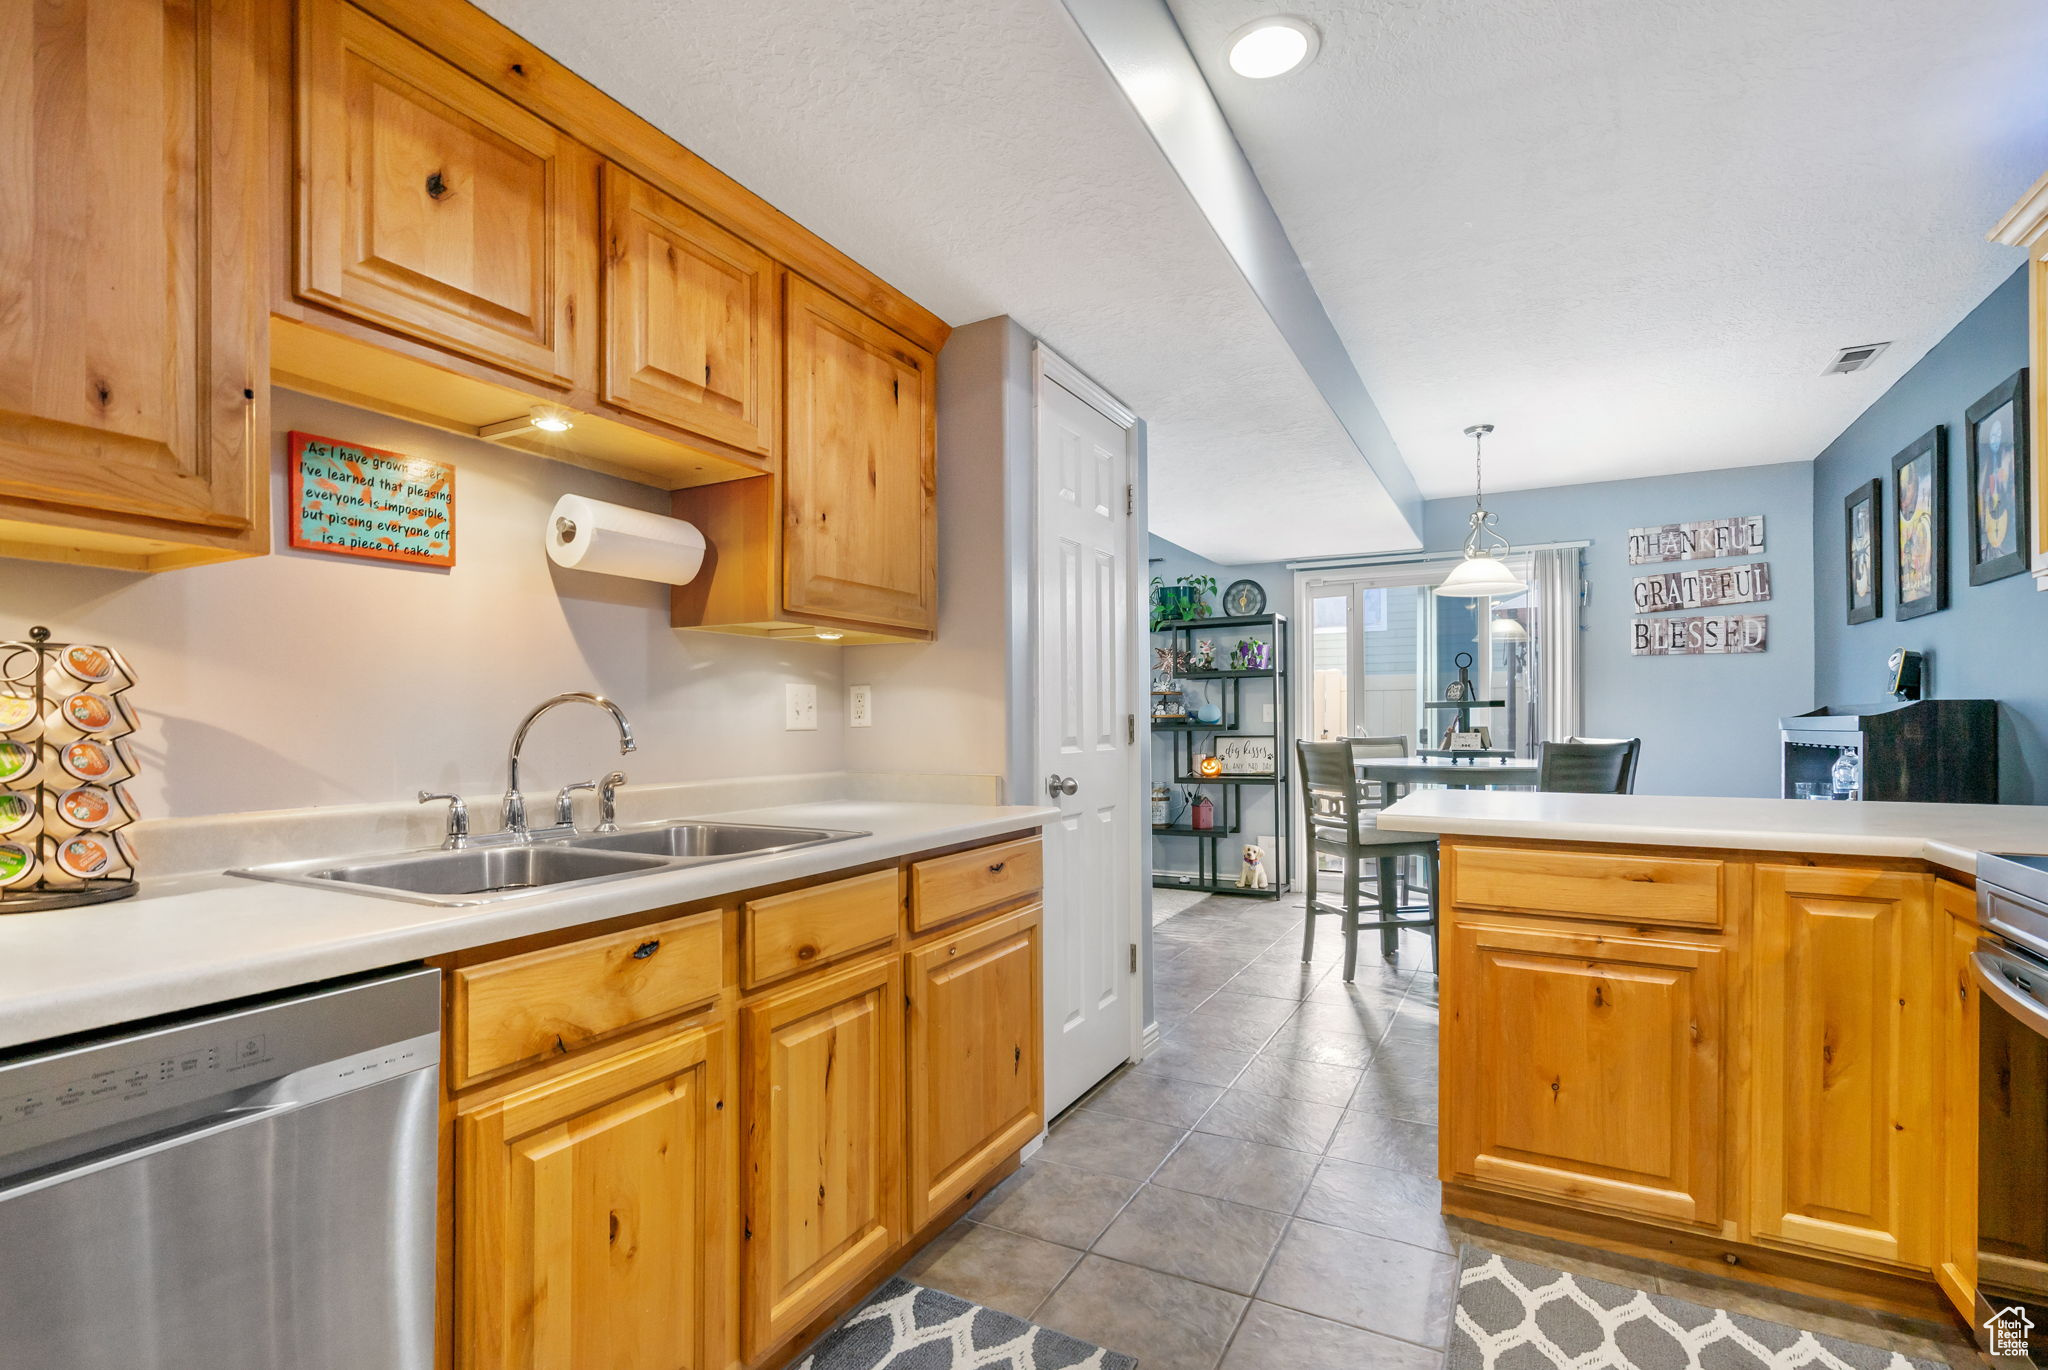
{"points": [[802, 708], [860, 706]]}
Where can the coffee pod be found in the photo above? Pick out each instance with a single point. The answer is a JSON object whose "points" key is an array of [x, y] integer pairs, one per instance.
{"points": [[20, 762], [18, 862], [82, 809], [92, 761], [18, 717], [87, 665], [17, 811], [89, 856], [88, 713]]}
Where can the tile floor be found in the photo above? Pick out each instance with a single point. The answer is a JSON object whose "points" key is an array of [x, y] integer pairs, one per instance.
{"points": [[1260, 1192]]}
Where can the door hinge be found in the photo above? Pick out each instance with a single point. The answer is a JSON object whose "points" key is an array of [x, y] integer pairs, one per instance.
{"points": [[1130, 499], [1134, 958], [1130, 730]]}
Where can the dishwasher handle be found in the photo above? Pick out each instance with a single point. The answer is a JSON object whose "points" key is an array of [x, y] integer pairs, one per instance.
{"points": [[149, 1145], [2014, 986]]}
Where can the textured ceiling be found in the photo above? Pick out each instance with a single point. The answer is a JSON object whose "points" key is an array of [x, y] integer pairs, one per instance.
{"points": [[978, 156], [1632, 232]]}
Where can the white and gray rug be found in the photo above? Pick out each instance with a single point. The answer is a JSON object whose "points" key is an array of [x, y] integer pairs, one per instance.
{"points": [[904, 1326], [1516, 1315]]}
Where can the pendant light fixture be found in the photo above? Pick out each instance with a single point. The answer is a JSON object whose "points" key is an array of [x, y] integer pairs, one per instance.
{"points": [[1482, 573]]}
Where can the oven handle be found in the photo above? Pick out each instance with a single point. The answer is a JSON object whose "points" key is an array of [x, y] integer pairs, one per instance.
{"points": [[1993, 975], [215, 1126]]}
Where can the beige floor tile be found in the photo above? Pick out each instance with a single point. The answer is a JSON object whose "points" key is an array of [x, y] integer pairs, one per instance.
{"points": [[1294, 1123], [1276, 1338], [1168, 1323], [1243, 1172], [1004, 1270], [1198, 1238], [1056, 1203], [1383, 1286]]}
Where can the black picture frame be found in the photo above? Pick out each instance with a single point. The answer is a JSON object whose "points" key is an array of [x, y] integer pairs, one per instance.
{"points": [[1920, 532], [1868, 499], [1253, 591], [2009, 556]]}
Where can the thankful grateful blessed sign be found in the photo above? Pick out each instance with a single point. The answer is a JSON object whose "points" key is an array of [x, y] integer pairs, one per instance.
{"points": [[366, 502]]}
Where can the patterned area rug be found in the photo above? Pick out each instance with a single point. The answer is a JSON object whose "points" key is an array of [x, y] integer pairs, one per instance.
{"points": [[1515, 1315], [904, 1326]]}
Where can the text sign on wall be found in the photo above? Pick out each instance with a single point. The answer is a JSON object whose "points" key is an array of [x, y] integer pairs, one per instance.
{"points": [[1703, 589], [1707, 635], [366, 502], [1700, 541]]}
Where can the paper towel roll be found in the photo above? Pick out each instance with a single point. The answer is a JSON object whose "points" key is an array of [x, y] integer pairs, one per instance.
{"points": [[590, 535]]}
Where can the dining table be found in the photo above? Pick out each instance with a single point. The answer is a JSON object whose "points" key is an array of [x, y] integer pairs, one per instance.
{"points": [[1400, 774]]}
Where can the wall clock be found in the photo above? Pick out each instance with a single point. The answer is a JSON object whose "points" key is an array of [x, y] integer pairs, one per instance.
{"points": [[1244, 599]]}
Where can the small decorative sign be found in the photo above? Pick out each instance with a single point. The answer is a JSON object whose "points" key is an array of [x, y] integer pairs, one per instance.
{"points": [[366, 502], [1703, 540], [1703, 589], [1708, 635], [1245, 755]]}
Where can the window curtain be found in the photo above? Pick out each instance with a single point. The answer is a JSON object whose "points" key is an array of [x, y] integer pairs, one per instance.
{"points": [[1555, 580]]}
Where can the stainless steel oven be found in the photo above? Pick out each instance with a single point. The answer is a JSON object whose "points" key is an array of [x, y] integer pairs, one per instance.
{"points": [[2010, 967], [247, 1189]]}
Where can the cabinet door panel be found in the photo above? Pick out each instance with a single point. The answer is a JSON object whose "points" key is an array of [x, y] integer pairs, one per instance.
{"points": [[1846, 982], [1591, 1067], [1955, 1264], [975, 1084], [433, 205], [824, 1145], [595, 1214], [859, 529], [691, 335], [131, 332]]}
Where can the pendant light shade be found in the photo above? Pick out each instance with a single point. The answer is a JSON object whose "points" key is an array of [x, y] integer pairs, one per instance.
{"points": [[1482, 573], [1509, 630]]}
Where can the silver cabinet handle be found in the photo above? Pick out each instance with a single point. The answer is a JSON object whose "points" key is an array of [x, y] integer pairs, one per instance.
{"points": [[2006, 982], [1057, 786]]}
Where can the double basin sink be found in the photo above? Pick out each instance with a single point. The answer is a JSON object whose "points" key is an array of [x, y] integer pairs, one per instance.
{"points": [[486, 874]]}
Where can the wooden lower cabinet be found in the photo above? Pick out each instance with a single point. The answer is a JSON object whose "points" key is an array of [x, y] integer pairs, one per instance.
{"points": [[595, 1214], [975, 1080], [1955, 1259], [1585, 1068], [1844, 1060], [823, 1169]]}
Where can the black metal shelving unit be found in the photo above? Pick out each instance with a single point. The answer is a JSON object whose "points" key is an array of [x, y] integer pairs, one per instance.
{"points": [[1184, 736]]}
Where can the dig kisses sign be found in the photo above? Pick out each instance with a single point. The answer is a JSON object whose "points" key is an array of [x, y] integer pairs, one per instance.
{"points": [[366, 502]]}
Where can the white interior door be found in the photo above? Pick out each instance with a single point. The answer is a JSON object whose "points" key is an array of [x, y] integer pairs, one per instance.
{"points": [[1085, 737]]}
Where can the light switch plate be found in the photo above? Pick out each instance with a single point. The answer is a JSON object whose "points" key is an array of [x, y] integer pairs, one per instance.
{"points": [[802, 708], [860, 706], [1269, 713]]}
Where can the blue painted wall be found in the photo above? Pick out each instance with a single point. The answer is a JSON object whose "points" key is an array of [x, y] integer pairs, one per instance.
{"points": [[1992, 641], [1709, 724]]}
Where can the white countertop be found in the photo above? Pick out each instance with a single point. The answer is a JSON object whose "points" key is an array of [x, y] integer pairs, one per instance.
{"points": [[1946, 835], [195, 940]]}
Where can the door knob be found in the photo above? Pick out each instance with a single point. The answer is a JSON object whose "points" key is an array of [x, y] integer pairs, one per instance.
{"points": [[1056, 786]]}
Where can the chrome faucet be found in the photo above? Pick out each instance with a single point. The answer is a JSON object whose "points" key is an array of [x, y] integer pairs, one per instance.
{"points": [[515, 802]]}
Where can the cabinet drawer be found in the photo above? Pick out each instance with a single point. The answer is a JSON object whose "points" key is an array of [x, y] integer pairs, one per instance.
{"points": [[1624, 888], [526, 1008], [950, 887], [805, 928]]}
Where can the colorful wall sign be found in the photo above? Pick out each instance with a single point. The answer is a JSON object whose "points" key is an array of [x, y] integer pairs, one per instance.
{"points": [[366, 502]]}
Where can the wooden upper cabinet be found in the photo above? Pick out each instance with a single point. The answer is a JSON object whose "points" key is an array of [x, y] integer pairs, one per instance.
{"points": [[860, 541], [133, 414], [1848, 970], [692, 331], [976, 1082], [823, 1063], [595, 1215], [432, 205], [2026, 225], [1591, 1066]]}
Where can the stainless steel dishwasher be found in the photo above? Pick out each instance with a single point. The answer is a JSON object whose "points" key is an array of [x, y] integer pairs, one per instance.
{"points": [[246, 1189]]}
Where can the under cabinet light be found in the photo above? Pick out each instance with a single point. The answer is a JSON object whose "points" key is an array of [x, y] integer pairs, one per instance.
{"points": [[540, 418]]}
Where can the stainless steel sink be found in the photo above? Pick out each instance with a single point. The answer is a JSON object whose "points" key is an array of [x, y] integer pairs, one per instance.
{"points": [[487, 873], [709, 841]]}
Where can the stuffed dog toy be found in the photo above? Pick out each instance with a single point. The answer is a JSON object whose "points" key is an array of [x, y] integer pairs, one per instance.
{"points": [[1253, 874]]}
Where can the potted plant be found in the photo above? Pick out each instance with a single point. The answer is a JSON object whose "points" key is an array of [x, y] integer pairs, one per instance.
{"points": [[1198, 589]]}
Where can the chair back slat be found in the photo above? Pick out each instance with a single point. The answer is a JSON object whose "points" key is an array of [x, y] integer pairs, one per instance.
{"points": [[1587, 766], [1331, 795]]}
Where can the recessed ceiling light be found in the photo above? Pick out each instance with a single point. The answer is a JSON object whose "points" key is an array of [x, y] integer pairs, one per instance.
{"points": [[1273, 46]]}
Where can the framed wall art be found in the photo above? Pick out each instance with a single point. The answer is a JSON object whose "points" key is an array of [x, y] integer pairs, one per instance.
{"points": [[359, 501], [1863, 550], [1995, 438], [1245, 755], [1920, 525]]}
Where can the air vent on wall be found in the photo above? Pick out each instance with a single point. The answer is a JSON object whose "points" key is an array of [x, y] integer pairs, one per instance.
{"points": [[1854, 358]]}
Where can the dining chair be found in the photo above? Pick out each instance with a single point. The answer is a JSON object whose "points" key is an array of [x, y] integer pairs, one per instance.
{"points": [[1587, 765], [1377, 749], [1341, 824]]}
